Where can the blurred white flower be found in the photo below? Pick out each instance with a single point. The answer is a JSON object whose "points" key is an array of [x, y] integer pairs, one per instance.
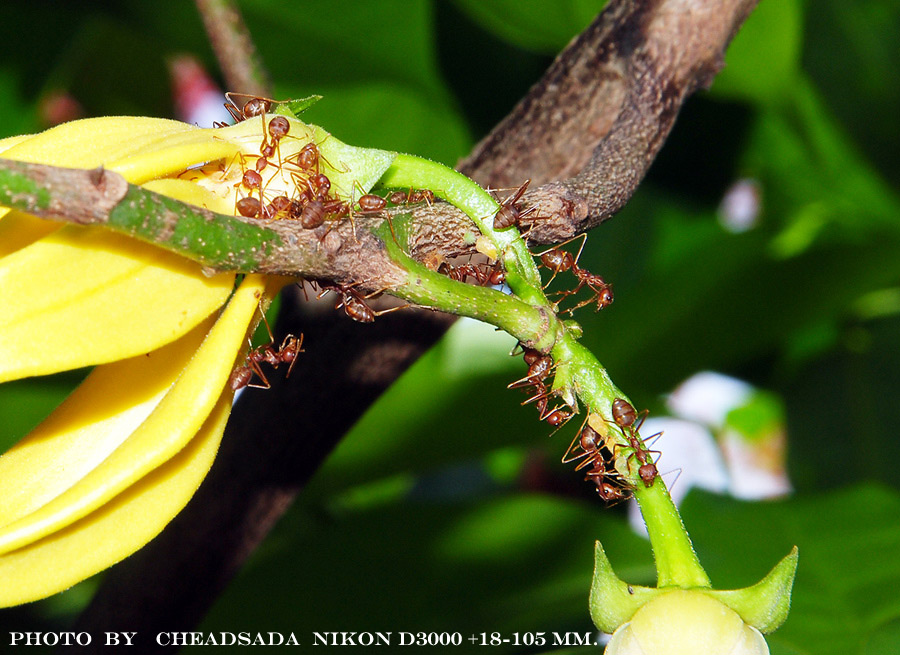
{"points": [[740, 206]]}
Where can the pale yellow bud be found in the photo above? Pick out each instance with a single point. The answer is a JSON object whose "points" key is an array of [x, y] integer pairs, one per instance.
{"points": [[683, 622]]}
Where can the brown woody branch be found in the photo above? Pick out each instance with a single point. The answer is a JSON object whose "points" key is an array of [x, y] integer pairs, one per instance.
{"points": [[231, 41], [599, 116], [587, 132]]}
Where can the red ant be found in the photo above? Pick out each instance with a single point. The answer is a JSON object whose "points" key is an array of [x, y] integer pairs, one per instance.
{"points": [[558, 417], [558, 261], [508, 214], [538, 370], [314, 211], [629, 422], [307, 160], [255, 106], [277, 129], [369, 202], [286, 353], [625, 415], [354, 303], [249, 207], [539, 366]]}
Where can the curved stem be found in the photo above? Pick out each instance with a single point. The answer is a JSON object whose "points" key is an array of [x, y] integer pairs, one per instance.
{"points": [[578, 371], [460, 191]]}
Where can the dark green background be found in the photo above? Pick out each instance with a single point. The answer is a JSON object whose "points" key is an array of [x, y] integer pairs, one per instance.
{"points": [[421, 520]]}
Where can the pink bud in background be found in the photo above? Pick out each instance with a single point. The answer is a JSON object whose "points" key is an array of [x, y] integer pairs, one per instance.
{"points": [[59, 107], [197, 98]]}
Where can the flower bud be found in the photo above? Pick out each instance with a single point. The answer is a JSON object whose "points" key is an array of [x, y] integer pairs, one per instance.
{"points": [[686, 622]]}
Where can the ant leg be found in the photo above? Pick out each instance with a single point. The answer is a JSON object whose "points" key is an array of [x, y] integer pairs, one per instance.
{"points": [[257, 369], [294, 346]]}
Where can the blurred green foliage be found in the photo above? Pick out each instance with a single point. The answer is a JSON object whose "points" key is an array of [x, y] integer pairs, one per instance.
{"points": [[446, 508]]}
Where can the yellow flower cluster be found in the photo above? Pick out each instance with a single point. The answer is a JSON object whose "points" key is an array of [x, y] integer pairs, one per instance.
{"points": [[121, 457]]}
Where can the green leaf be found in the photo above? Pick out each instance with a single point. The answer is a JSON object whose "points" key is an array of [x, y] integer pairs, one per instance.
{"points": [[506, 563], [763, 59], [298, 106], [543, 25]]}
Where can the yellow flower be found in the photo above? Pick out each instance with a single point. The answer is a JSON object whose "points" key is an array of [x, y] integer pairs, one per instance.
{"points": [[121, 457]]}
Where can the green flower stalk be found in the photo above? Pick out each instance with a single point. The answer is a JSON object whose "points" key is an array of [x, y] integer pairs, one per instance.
{"points": [[683, 614]]}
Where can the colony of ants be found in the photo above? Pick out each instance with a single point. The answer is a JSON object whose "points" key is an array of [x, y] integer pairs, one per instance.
{"points": [[600, 454], [312, 204], [311, 201], [597, 455]]}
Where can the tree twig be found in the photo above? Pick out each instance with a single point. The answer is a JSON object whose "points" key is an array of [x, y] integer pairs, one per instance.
{"points": [[231, 41]]}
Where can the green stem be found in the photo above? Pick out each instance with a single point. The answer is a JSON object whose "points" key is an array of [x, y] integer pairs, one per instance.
{"points": [[417, 172], [578, 373], [99, 197], [215, 240], [527, 323], [677, 564]]}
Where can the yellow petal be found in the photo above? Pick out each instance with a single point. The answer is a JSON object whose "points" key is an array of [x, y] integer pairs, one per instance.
{"points": [[81, 296], [18, 230], [139, 148], [107, 407], [120, 527], [166, 431], [187, 191], [10, 141]]}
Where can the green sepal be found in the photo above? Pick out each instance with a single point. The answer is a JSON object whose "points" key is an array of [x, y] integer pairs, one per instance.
{"points": [[296, 106], [614, 601], [351, 169], [766, 604]]}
